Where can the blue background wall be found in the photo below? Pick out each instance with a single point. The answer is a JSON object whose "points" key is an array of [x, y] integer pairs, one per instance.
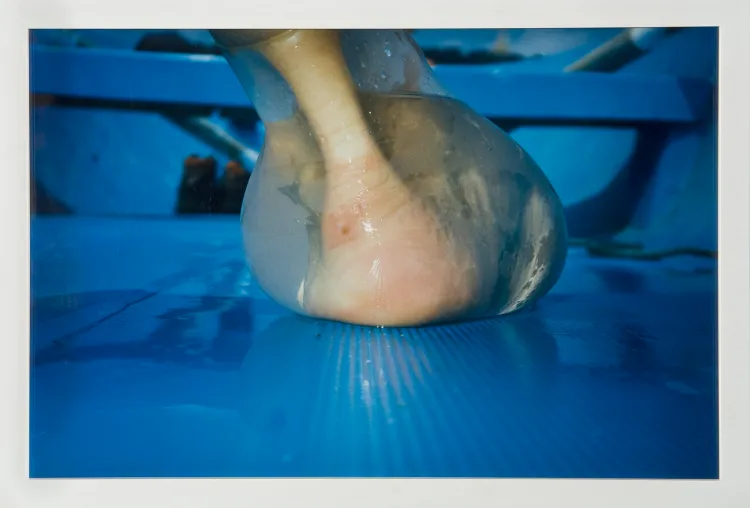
{"points": [[102, 162]]}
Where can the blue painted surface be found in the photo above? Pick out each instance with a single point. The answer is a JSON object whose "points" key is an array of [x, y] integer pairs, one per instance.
{"points": [[691, 53], [681, 204], [205, 80], [552, 43], [103, 162], [154, 353]]}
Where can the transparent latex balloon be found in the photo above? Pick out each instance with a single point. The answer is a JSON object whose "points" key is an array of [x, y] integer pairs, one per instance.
{"points": [[379, 199]]}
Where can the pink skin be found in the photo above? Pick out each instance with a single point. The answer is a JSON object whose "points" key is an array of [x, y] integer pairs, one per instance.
{"points": [[385, 259]]}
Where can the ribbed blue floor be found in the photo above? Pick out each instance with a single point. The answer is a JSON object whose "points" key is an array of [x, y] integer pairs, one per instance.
{"points": [[155, 354]]}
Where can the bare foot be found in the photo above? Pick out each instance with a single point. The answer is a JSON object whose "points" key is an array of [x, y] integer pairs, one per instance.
{"points": [[409, 232], [386, 259]]}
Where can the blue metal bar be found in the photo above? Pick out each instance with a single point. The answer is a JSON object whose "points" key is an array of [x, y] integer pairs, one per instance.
{"points": [[198, 80]]}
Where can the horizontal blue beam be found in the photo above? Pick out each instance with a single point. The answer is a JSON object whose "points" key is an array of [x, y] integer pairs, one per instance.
{"points": [[200, 80]]}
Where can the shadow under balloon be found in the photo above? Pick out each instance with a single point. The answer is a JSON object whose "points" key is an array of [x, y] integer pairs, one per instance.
{"points": [[299, 368], [341, 400]]}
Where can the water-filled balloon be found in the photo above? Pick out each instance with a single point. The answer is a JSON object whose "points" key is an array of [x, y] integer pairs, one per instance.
{"points": [[379, 199]]}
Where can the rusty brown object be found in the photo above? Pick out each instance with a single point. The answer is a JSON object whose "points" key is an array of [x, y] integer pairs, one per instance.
{"points": [[234, 169], [231, 188], [197, 192]]}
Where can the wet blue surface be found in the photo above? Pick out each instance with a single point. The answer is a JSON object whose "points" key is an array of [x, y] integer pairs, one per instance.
{"points": [[155, 354]]}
